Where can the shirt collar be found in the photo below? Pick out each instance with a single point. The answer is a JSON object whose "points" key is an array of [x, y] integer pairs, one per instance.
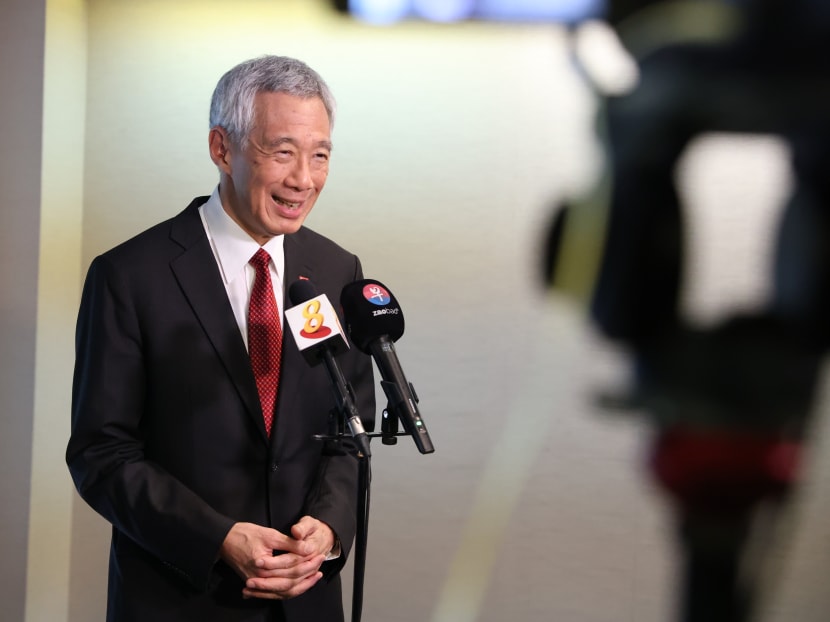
{"points": [[233, 246]]}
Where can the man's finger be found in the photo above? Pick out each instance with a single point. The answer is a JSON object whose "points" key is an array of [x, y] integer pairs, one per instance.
{"points": [[280, 588], [295, 567], [305, 526]]}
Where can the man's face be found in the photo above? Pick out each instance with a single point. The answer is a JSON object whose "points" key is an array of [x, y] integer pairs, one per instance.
{"points": [[270, 186]]}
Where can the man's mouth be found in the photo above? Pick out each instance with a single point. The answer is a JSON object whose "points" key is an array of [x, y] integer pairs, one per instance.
{"points": [[288, 204]]}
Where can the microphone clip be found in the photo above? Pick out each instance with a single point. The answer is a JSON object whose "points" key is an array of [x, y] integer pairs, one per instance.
{"points": [[389, 427]]}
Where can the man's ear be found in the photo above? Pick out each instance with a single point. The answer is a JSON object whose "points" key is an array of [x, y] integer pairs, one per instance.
{"points": [[219, 147]]}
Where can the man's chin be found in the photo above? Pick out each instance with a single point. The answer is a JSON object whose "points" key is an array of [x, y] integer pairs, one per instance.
{"points": [[285, 225], [287, 228]]}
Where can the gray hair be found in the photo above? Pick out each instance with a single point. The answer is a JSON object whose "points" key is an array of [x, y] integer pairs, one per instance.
{"points": [[232, 104]]}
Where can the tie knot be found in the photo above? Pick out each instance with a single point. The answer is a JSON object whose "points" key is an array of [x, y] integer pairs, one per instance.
{"points": [[260, 259]]}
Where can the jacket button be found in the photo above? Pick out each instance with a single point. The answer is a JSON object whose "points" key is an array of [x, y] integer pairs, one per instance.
{"points": [[274, 467]]}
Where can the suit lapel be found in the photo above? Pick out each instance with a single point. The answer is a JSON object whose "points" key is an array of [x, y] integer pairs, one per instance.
{"points": [[294, 366], [198, 276]]}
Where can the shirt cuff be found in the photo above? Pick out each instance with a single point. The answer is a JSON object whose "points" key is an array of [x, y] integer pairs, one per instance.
{"points": [[335, 551]]}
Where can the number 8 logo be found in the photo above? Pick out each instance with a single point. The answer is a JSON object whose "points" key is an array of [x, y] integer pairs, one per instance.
{"points": [[314, 319]]}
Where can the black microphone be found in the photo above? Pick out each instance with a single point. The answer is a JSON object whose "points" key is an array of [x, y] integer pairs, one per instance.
{"points": [[313, 323], [375, 321]]}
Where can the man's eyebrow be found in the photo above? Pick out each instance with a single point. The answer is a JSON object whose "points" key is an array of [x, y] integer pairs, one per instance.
{"points": [[280, 140]]}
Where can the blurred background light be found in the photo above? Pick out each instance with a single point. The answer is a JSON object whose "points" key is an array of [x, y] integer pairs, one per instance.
{"points": [[380, 12], [444, 10], [385, 12], [539, 10]]}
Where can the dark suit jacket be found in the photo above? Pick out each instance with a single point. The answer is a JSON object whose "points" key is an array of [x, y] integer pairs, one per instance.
{"points": [[168, 441]]}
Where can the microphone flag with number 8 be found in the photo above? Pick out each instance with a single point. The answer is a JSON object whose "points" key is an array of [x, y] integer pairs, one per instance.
{"points": [[314, 323]]}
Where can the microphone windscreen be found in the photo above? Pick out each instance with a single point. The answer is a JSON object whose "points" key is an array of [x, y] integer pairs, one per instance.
{"points": [[300, 291], [370, 311]]}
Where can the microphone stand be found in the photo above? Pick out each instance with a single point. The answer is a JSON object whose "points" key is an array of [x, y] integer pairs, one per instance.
{"points": [[388, 435], [345, 414]]}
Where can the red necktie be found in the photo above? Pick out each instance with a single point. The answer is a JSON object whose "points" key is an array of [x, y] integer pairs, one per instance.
{"points": [[264, 336]]}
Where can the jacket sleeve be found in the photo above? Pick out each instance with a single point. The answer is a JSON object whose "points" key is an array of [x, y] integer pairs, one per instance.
{"points": [[106, 449]]}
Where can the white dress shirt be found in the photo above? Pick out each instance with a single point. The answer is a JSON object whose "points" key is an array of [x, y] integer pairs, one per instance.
{"points": [[233, 248]]}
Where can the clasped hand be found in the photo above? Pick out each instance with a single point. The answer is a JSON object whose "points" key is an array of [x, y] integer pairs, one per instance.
{"points": [[249, 550]]}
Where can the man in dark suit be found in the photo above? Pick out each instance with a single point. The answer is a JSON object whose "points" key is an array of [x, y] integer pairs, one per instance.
{"points": [[222, 508]]}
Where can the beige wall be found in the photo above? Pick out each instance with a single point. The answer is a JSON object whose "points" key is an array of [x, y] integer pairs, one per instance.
{"points": [[451, 145]]}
